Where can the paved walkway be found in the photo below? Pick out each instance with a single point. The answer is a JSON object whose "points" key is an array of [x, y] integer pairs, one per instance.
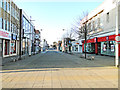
{"points": [[58, 70], [103, 60]]}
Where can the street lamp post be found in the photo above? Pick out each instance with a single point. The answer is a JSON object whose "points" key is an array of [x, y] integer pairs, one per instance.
{"points": [[117, 32], [31, 31], [40, 40], [85, 39], [65, 42], [85, 36]]}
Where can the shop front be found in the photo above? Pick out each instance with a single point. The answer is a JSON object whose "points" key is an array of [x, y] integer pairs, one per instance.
{"points": [[5, 38], [90, 46], [107, 45], [101, 45]]}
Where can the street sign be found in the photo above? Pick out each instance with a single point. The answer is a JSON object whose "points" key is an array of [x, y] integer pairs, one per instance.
{"points": [[117, 38]]}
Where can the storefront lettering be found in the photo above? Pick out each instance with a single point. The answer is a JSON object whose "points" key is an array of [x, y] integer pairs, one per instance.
{"points": [[4, 34]]}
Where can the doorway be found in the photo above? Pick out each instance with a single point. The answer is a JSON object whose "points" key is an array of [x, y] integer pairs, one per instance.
{"points": [[99, 48]]}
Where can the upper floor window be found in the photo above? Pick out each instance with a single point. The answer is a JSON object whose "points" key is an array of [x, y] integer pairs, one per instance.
{"points": [[8, 25], [0, 23], [108, 17], [1, 3], [8, 7], [5, 25]]}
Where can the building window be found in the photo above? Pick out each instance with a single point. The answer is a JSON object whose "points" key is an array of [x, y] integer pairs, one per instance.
{"points": [[98, 23], [11, 28], [1, 3], [108, 17], [2, 23], [7, 47], [5, 25], [8, 7], [5, 6], [8, 25]]}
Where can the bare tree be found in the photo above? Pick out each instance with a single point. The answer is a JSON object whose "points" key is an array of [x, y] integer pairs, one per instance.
{"points": [[80, 24], [69, 33]]}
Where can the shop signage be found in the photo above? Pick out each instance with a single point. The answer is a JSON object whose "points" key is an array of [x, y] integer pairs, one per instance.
{"points": [[117, 38], [112, 38], [90, 41], [101, 39], [14, 37], [5, 34]]}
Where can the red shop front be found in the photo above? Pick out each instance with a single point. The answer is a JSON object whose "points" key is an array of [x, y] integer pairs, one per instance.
{"points": [[90, 46], [102, 45], [107, 45]]}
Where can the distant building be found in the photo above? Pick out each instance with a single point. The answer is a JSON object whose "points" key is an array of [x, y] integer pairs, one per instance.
{"points": [[66, 44], [77, 46], [37, 41], [27, 34], [59, 46]]}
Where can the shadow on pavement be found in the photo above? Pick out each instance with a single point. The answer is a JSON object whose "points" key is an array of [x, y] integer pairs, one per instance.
{"points": [[54, 59]]}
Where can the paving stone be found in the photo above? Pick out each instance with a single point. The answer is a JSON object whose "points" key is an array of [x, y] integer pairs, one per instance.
{"points": [[59, 70]]}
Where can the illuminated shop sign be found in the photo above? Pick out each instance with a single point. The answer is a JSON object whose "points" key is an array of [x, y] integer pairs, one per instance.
{"points": [[5, 34]]}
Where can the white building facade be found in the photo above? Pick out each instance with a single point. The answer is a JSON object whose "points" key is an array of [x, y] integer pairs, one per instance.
{"points": [[77, 46], [9, 28], [101, 29]]}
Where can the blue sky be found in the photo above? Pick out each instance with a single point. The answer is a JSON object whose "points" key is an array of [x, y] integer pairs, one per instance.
{"points": [[52, 17]]}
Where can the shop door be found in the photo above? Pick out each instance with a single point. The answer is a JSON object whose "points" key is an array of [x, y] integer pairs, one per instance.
{"points": [[93, 48], [99, 48], [0, 48], [6, 48]]}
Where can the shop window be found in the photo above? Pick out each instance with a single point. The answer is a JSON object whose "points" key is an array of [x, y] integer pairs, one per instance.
{"points": [[13, 46], [6, 48], [108, 48], [107, 17], [1, 47]]}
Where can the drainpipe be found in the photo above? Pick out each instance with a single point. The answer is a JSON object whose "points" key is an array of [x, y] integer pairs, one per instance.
{"points": [[117, 32]]}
